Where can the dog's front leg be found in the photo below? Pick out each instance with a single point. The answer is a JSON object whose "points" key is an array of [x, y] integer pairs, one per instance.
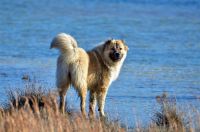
{"points": [[62, 103], [92, 104], [101, 97]]}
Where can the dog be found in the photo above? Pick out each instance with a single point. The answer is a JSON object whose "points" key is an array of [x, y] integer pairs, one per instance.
{"points": [[92, 71]]}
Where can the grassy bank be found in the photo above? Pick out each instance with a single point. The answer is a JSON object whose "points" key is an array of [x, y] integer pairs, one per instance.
{"points": [[35, 109]]}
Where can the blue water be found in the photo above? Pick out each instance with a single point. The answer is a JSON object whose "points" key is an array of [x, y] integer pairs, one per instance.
{"points": [[163, 38]]}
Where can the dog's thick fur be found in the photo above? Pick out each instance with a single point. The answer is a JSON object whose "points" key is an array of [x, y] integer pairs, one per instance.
{"points": [[93, 70]]}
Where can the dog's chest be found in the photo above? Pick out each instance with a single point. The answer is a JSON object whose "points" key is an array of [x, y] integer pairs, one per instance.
{"points": [[114, 73]]}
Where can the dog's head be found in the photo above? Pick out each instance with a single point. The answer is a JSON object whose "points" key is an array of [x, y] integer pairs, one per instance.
{"points": [[115, 51]]}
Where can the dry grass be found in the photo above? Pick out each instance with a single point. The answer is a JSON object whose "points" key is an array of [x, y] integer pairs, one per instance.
{"points": [[169, 117], [35, 109]]}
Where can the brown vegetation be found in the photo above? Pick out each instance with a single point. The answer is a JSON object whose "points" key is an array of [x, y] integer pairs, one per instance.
{"points": [[169, 118], [37, 110], [33, 110]]}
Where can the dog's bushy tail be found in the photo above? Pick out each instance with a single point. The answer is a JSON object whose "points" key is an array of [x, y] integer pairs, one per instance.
{"points": [[64, 42]]}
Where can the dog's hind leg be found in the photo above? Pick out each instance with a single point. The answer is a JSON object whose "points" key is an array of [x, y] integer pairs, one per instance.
{"points": [[79, 72], [62, 93], [62, 81], [82, 95], [80, 84]]}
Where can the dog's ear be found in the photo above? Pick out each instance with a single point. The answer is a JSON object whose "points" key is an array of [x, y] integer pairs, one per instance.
{"points": [[123, 41], [126, 47], [108, 41]]}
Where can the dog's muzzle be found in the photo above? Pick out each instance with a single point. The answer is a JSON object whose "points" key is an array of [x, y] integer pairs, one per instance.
{"points": [[116, 56]]}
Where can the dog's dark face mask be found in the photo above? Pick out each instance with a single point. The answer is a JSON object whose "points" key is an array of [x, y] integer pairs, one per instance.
{"points": [[115, 54], [117, 49]]}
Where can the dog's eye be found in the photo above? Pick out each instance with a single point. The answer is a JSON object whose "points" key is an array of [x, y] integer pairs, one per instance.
{"points": [[120, 48], [113, 48]]}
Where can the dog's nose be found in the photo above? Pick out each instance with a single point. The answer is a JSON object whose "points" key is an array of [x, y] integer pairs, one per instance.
{"points": [[117, 55]]}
